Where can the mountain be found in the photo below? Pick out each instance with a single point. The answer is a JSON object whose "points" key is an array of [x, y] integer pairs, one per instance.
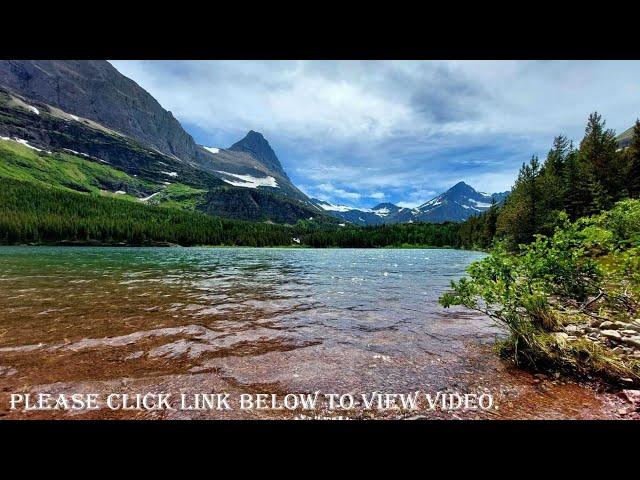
{"points": [[95, 90], [250, 163], [624, 139], [455, 205], [257, 146], [89, 108], [374, 216]]}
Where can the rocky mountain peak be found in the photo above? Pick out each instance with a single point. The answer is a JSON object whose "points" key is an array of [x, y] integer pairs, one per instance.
{"points": [[386, 206], [461, 188], [257, 146]]}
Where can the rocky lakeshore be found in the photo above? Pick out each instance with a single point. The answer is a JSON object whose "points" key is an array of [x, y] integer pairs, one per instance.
{"points": [[619, 339], [622, 338]]}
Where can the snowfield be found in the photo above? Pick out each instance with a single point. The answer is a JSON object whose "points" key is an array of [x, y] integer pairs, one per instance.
{"points": [[249, 181], [146, 199], [343, 208], [382, 212], [480, 204], [22, 142], [212, 149]]}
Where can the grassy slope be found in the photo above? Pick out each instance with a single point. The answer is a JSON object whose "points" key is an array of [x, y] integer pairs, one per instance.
{"points": [[198, 189], [72, 172]]}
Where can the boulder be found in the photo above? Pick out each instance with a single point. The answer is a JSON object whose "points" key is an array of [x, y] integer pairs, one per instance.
{"points": [[628, 332], [632, 341], [596, 322], [561, 337], [611, 334]]}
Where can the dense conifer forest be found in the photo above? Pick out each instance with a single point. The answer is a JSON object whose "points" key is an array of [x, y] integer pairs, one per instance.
{"points": [[32, 213]]}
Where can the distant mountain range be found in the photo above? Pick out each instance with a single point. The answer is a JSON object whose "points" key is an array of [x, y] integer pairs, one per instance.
{"points": [[455, 205]]}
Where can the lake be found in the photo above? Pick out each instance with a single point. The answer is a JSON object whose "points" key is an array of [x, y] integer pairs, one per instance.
{"points": [[189, 320]]}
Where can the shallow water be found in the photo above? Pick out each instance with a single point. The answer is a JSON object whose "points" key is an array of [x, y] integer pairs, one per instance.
{"points": [[76, 319]]}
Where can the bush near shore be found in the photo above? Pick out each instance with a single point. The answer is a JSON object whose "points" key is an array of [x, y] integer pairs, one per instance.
{"points": [[563, 275], [570, 301]]}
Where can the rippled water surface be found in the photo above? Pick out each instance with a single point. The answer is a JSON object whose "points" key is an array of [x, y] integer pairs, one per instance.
{"points": [[271, 320]]}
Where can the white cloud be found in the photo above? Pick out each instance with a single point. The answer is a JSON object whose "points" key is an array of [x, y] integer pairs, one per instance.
{"points": [[334, 191]]}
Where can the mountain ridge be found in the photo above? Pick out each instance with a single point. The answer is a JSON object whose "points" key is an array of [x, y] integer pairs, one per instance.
{"points": [[89, 107], [454, 205], [96, 90]]}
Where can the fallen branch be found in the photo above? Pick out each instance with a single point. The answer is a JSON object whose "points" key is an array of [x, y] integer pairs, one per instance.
{"points": [[594, 299]]}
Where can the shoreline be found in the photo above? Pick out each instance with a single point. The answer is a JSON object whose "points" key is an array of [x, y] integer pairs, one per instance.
{"points": [[283, 247]]}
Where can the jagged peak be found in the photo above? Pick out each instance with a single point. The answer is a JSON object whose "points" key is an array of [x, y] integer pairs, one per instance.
{"points": [[257, 146], [385, 205]]}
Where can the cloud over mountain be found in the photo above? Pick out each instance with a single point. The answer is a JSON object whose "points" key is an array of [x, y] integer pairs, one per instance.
{"points": [[393, 127]]}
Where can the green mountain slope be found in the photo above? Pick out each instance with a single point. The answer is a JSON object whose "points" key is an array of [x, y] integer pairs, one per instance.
{"points": [[93, 93], [81, 150]]}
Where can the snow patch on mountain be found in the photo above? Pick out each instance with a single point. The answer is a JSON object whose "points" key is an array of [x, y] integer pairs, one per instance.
{"points": [[335, 208], [481, 204], [212, 149], [146, 199], [22, 142], [382, 212], [249, 181]]}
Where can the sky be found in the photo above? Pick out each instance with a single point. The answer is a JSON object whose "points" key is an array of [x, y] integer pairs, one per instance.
{"points": [[364, 132]]}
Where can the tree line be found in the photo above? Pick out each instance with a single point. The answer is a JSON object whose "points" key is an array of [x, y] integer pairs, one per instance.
{"points": [[580, 181], [35, 214], [30, 213]]}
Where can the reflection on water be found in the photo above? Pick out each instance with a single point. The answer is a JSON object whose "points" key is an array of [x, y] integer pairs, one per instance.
{"points": [[273, 320]]}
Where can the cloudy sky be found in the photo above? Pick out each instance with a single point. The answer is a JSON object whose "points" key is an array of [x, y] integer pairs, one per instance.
{"points": [[362, 132]]}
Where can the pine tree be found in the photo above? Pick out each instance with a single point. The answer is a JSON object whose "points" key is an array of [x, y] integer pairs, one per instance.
{"points": [[489, 220], [633, 163], [519, 219], [602, 163], [553, 190]]}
